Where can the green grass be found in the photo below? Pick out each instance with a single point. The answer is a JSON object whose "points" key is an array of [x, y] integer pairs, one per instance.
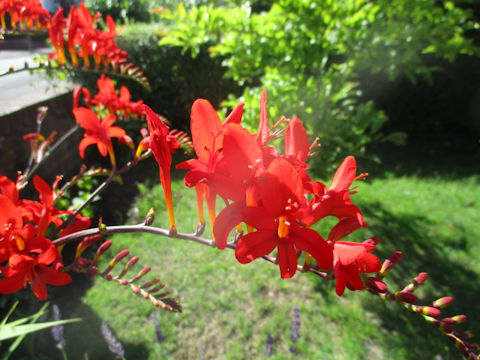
{"points": [[229, 308]]}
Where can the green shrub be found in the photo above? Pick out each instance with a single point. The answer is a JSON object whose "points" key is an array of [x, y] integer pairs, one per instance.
{"points": [[309, 55]]}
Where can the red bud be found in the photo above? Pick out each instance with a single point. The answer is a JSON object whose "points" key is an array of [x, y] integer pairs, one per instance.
{"points": [[455, 319], [421, 278], [372, 241], [407, 297], [442, 302], [429, 311], [377, 285], [464, 334], [119, 257], [81, 262], [102, 248], [390, 263]]}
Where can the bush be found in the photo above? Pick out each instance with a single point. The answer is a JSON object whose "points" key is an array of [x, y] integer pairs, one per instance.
{"points": [[309, 56]]}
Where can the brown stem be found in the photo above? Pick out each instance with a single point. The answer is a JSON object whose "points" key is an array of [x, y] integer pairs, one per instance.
{"points": [[167, 233]]}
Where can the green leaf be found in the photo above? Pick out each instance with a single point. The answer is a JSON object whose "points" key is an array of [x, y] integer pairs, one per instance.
{"points": [[10, 330]]}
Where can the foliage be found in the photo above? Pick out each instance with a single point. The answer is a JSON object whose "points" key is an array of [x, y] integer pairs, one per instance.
{"points": [[122, 11], [18, 329], [309, 55], [177, 78]]}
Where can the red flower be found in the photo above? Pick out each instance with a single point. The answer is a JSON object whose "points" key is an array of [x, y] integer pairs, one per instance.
{"points": [[57, 26], [207, 136], [280, 197], [349, 260], [98, 132], [30, 266], [334, 201], [162, 146]]}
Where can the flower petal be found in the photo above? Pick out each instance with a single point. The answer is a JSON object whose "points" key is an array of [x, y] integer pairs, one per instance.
{"points": [[287, 259], [228, 218], [345, 174], [241, 151], [255, 245], [311, 242], [281, 188], [296, 140], [206, 128]]}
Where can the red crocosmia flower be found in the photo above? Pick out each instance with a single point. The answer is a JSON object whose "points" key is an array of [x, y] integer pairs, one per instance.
{"points": [[280, 196], [162, 147], [297, 148], [243, 160], [31, 266], [334, 201], [77, 92], [207, 137], [349, 260], [10, 223], [98, 132], [57, 26]]}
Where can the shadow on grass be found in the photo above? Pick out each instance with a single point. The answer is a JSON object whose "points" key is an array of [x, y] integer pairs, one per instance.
{"points": [[84, 339], [448, 277], [422, 160]]}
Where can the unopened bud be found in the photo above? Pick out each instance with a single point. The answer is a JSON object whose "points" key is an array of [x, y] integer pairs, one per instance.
{"points": [[150, 283], [464, 334], [473, 347], [428, 311], [458, 319], [390, 263], [92, 270], [417, 281], [85, 243], [421, 278], [440, 325], [119, 257], [150, 217], [81, 262], [372, 241], [102, 228], [141, 273], [102, 248], [459, 344], [442, 302], [377, 285], [406, 297]]}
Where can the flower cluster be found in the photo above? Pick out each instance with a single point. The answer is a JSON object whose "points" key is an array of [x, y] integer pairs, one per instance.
{"points": [[84, 39], [109, 99], [29, 14], [27, 255], [274, 196]]}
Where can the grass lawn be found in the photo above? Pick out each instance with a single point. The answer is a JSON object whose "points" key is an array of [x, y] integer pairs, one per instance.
{"points": [[230, 309]]}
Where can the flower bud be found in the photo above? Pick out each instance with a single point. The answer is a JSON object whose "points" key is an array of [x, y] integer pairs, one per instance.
{"points": [[389, 263], [141, 273], [458, 319], [85, 243], [428, 311], [406, 297], [81, 262], [150, 217], [464, 334], [119, 257], [101, 249], [372, 241], [440, 325], [377, 285], [442, 302]]}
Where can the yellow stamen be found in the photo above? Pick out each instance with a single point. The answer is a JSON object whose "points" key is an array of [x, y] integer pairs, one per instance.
{"points": [[283, 227]]}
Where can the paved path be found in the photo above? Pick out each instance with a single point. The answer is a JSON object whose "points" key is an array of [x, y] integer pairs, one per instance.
{"points": [[24, 89]]}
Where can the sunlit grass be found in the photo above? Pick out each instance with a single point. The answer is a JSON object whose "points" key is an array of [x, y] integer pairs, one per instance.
{"points": [[229, 309]]}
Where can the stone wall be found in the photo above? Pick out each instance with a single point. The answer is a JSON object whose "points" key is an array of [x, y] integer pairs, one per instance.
{"points": [[14, 151]]}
